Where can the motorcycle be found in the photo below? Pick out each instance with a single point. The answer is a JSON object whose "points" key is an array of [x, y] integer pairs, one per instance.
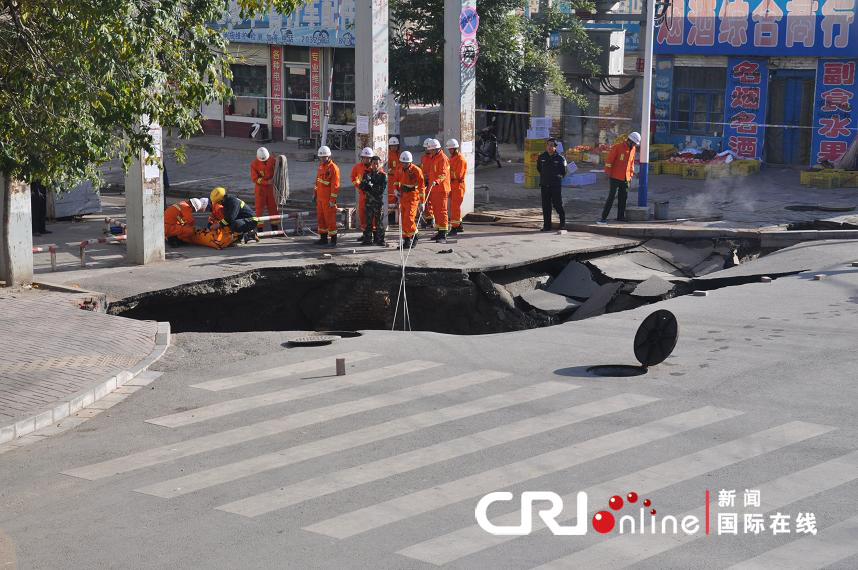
{"points": [[487, 147]]}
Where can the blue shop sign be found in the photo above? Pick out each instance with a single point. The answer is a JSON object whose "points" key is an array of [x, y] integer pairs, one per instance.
{"points": [[759, 27]]}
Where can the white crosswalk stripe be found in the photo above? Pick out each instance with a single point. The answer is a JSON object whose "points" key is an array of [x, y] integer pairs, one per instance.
{"points": [[423, 457], [403, 507], [628, 549], [830, 545], [289, 394], [248, 378], [343, 442], [472, 539], [258, 430]]}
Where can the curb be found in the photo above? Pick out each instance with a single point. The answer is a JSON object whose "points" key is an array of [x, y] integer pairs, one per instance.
{"points": [[89, 395], [663, 232]]}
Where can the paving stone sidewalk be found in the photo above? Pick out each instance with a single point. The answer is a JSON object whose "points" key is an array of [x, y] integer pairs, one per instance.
{"points": [[51, 351]]}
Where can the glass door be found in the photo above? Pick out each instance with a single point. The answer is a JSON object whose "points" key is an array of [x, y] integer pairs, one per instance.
{"points": [[297, 112]]}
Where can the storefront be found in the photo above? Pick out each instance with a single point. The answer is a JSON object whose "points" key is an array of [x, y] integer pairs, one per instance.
{"points": [[292, 72], [768, 79]]}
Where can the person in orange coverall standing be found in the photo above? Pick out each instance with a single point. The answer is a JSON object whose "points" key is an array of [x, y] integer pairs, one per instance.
{"points": [[262, 174], [458, 169], [393, 170], [411, 194], [327, 187], [358, 170], [620, 167], [438, 188]]}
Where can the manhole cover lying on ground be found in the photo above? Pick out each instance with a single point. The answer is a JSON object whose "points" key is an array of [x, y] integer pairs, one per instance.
{"points": [[655, 340], [340, 334], [313, 340]]}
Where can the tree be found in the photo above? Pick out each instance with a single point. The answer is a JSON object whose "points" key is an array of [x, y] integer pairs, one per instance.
{"points": [[514, 57], [76, 76]]}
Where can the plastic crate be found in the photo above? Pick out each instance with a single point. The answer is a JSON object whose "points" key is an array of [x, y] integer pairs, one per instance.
{"points": [[573, 155], [603, 156], [849, 179], [673, 168], [808, 177], [717, 170], [531, 181], [694, 171], [744, 167], [829, 179], [534, 145], [655, 167]]}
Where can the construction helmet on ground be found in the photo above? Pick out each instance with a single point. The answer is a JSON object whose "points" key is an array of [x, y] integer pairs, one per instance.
{"points": [[452, 143], [635, 138], [199, 204], [324, 151], [393, 141], [427, 143], [366, 152], [217, 195], [406, 158], [262, 153], [434, 144]]}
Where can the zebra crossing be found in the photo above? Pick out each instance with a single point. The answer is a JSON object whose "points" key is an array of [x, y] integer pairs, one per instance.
{"points": [[609, 416]]}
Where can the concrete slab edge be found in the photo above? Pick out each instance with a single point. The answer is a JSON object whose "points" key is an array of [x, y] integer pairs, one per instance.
{"points": [[49, 286], [88, 396], [663, 232]]}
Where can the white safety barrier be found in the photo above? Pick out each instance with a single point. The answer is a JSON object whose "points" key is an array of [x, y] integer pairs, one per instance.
{"points": [[83, 245], [53, 251]]}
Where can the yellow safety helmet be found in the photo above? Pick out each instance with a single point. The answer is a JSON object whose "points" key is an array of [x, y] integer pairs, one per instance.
{"points": [[218, 194]]}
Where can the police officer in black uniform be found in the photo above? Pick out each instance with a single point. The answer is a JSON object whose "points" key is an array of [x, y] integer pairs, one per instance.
{"points": [[552, 168]]}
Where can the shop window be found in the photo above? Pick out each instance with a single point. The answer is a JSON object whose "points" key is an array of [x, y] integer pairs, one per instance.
{"points": [[249, 83], [343, 86], [698, 100], [296, 54]]}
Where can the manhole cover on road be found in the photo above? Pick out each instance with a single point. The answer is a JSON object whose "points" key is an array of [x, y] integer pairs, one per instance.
{"points": [[656, 338], [819, 208], [313, 340], [617, 370]]}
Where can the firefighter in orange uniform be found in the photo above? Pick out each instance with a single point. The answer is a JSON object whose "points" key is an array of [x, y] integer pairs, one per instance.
{"points": [[358, 170], [393, 171], [428, 217], [179, 220], [262, 174], [411, 194], [458, 169], [438, 188], [620, 167], [327, 187]]}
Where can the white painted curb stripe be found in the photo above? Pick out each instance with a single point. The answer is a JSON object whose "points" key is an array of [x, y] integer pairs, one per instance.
{"points": [[629, 549], [423, 457], [289, 394], [400, 508], [400, 426], [259, 430], [248, 378], [472, 539]]}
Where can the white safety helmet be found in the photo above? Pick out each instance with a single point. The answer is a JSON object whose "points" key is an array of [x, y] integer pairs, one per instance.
{"points": [[262, 153], [434, 144], [452, 143], [635, 138], [406, 158], [393, 141], [324, 151], [366, 152], [199, 204], [427, 143]]}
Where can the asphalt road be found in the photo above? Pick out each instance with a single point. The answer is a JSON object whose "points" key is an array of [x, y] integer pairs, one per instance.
{"points": [[248, 454]]}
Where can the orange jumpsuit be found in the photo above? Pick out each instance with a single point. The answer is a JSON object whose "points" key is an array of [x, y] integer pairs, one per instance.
{"points": [[412, 191], [393, 169], [458, 169], [179, 221], [262, 174], [427, 209], [620, 163], [439, 175], [358, 170], [327, 187]]}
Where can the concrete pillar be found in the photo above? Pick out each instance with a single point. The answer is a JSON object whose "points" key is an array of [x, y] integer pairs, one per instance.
{"points": [[16, 232], [144, 206], [371, 86], [460, 73]]}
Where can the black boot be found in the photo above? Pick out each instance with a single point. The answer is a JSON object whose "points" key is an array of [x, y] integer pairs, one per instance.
{"points": [[367, 237], [251, 235], [379, 238], [323, 240], [173, 241], [460, 229], [391, 218], [440, 237], [333, 241], [406, 243]]}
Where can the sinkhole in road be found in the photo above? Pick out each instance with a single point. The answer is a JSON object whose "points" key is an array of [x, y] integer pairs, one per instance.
{"points": [[363, 295]]}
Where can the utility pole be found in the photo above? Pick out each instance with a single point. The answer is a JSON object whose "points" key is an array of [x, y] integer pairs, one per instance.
{"points": [[144, 203], [16, 232], [648, 29]]}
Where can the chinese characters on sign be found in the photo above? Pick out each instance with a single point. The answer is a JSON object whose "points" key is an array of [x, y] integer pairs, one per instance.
{"points": [[746, 104], [834, 112], [315, 90], [663, 81], [277, 87], [761, 27], [322, 23], [755, 523]]}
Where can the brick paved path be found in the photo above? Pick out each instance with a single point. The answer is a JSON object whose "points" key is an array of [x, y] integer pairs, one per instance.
{"points": [[51, 350]]}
